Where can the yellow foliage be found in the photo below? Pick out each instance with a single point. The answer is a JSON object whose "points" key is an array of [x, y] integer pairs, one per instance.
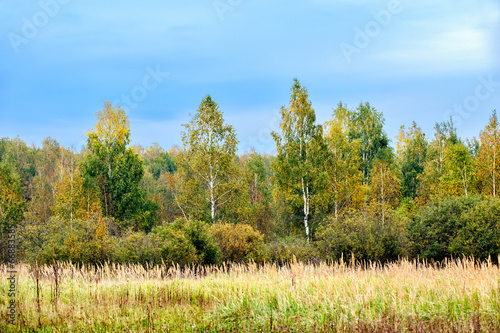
{"points": [[75, 201], [112, 125]]}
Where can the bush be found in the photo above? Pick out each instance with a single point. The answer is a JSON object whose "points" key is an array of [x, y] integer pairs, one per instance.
{"points": [[456, 227], [207, 249], [364, 234], [238, 242], [77, 241], [344, 236], [175, 246], [137, 248], [284, 249]]}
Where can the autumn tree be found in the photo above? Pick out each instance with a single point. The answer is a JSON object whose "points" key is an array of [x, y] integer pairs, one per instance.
{"points": [[458, 171], [43, 185], [384, 182], [299, 148], [116, 170], [488, 157], [430, 187], [342, 163], [207, 172], [256, 182], [11, 204], [157, 161], [159, 180], [77, 198]]}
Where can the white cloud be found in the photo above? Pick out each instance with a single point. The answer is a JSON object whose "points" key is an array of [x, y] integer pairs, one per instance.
{"points": [[461, 50]]}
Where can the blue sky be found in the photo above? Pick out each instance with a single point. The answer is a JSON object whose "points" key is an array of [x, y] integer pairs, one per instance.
{"points": [[412, 60]]}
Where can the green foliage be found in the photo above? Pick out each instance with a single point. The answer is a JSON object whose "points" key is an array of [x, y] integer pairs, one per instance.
{"points": [[175, 246], [208, 174], [411, 152], [342, 165], [431, 187], [480, 237], [365, 235], [117, 170], [238, 242], [14, 153], [157, 161], [77, 241], [488, 157], [458, 171], [284, 250], [366, 124], [11, 199], [455, 227], [137, 247], [298, 166], [258, 193], [384, 183], [341, 188], [198, 233], [11, 207]]}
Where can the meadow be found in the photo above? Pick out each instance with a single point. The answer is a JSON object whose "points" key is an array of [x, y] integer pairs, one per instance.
{"points": [[408, 296]]}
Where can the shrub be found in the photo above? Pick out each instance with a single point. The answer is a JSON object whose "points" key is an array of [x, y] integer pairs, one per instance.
{"points": [[238, 242], [456, 227], [365, 234], [77, 241], [283, 250], [175, 246], [199, 235], [137, 248], [481, 236], [351, 234]]}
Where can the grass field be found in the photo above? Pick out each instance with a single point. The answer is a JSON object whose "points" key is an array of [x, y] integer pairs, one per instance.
{"points": [[459, 296]]}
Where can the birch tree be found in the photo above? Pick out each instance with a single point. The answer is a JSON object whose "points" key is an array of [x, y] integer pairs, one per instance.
{"points": [[488, 159], [430, 186], [367, 125], [342, 163], [297, 166], [458, 171], [206, 163], [384, 184]]}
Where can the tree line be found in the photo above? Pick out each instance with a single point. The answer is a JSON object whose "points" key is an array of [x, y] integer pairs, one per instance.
{"points": [[331, 190]]}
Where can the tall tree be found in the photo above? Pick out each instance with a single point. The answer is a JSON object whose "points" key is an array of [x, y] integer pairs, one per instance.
{"points": [[458, 171], [256, 182], [159, 180], [206, 164], [366, 124], [411, 153], [77, 198], [116, 169], [21, 159], [11, 205], [11, 200], [297, 166], [430, 187], [488, 157], [43, 185], [384, 182], [342, 163]]}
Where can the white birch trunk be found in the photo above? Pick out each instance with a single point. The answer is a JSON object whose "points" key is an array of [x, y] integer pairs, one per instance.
{"points": [[382, 194], [305, 193], [494, 171]]}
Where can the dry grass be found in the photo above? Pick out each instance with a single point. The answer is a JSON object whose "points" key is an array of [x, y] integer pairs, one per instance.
{"points": [[459, 296]]}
